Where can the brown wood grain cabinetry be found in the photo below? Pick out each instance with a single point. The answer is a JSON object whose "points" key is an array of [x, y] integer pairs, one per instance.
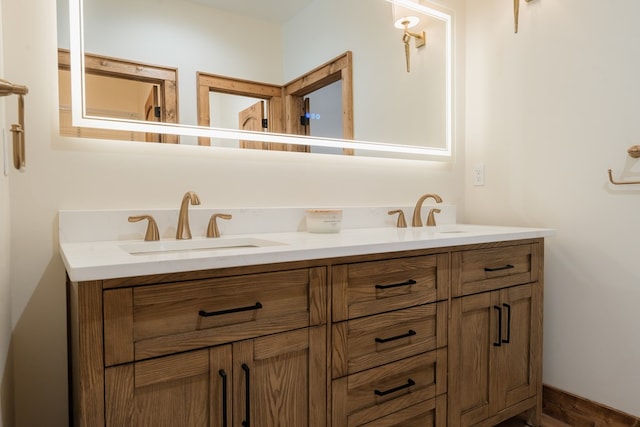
{"points": [[495, 338], [435, 337], [276, 380], [389, 342], [244, 349]]}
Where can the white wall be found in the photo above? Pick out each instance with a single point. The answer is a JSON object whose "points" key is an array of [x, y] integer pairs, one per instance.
{"points": [[6, 370], [79, 174], [549, 110]]}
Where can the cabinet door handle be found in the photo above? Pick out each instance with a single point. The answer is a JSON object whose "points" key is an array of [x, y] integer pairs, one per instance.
{"points": [[223, 374], [409, 383], [410, 333], [397, 285], [247, 416], [508, 307], [505, 267], [203, 313], [499, 342]]}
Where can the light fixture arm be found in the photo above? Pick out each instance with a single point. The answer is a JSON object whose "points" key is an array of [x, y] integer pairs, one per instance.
{"points": [[420, 41]]}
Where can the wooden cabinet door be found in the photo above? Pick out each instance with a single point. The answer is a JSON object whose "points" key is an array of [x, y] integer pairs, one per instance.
{"points": [[472, 338], [519, 356], [276, 380], [168, 391], [280, 380], [494, 343]]}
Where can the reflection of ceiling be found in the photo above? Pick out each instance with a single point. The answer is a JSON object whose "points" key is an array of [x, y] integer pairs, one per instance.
{"points": [[273, 10]]}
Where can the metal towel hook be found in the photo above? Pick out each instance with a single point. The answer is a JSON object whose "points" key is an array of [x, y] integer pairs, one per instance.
{"points": [[634, 152], [6, 89]]}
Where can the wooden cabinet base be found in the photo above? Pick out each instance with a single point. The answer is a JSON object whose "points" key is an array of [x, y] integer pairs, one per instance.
{"points": [[443, 337]]}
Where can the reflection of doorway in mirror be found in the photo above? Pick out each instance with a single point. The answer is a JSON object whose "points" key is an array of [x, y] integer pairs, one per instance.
{"points": [[323, 115], [285, 105], [119, 89], [103, 99]]}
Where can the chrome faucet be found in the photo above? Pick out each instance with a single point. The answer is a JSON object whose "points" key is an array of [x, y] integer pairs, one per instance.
{"points": [[183, 231], [417, 221]]}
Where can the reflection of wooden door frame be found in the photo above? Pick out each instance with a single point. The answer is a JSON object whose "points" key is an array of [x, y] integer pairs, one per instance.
{"points": [[340, 68], [284, 103], [166, 78], [214, 83]]}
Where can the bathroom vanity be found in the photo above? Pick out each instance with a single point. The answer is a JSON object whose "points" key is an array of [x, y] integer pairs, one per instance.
{"points": [[368, 327]]}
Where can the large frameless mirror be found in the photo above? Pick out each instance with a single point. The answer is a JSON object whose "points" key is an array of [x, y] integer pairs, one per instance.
{"points": [[331, 76]]}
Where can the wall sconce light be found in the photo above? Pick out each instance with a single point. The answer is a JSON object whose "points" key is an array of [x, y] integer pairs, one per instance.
{"points": [[404, 22], [6, 89]]}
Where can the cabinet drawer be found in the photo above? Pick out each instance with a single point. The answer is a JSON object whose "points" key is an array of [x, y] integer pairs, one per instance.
{"points": [[366, 288], [150, 321], [371, 395], [481, 270], [364, 343], [432, 413]]}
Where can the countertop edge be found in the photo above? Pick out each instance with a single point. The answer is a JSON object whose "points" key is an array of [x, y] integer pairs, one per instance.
{"points": [[334, 247]]}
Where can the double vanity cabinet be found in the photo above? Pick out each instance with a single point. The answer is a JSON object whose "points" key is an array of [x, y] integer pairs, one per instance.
{"points": [[449, 335]]}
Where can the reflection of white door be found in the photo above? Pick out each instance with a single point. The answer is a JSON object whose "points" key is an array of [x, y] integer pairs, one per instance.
{"points": [[251, 119]]}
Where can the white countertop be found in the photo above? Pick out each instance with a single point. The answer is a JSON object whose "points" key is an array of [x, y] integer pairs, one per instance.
{"points": [[110, 259]]}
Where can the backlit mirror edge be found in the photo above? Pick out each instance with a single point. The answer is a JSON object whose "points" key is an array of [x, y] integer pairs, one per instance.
{"points": [[81, 119]]}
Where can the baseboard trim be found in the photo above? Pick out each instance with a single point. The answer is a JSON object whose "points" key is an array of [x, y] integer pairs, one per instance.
{"points": [[580, 412]]}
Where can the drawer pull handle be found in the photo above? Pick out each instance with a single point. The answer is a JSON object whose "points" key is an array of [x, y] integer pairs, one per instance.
{"points": [[223, 374], [508, 324], [256, 306], [409, 383], [499, 342], [247, 390], [506, 267], [397, 285], [399, 337]]}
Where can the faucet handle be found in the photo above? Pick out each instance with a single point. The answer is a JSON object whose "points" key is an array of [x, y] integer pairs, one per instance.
{"points": [[152, 233], [431, 218], [401, 223], [212, 229]]}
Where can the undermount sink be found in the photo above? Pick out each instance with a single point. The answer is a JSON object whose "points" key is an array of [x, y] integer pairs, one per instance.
{"points": [[168, 246], [450, 229]]}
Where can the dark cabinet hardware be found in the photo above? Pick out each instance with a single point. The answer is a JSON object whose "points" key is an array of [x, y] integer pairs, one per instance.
{"points": [[499, 342], [247, 416], [410, 333], [203, 313], [397, 285], [409, 383], [223, 374], [505, 267], [508, 307]]}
